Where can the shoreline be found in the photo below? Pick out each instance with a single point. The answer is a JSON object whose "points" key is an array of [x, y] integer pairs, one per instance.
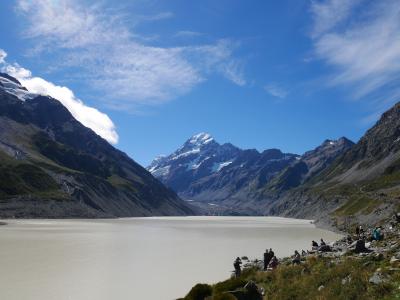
{"points": [[377, 270]]}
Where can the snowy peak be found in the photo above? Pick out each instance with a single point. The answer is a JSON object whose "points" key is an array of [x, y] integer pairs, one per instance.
{"points": [[12, 86], [200, 139]]}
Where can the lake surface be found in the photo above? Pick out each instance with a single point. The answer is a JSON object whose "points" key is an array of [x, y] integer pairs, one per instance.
{"points": [[138, 258]]}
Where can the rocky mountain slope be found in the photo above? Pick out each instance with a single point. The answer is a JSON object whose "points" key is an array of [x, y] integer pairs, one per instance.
{"points": [[361, 185], [338, 182], [228, 177], [310, 164], [53, 166]]}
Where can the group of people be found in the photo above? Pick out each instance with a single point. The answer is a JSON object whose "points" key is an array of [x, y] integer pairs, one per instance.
{"points": [[376, 235], [323, 247], [270, 260]]}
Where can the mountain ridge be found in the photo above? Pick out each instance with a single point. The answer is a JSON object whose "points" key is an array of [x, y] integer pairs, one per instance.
{"points": [[338, 182], [41, 141]]}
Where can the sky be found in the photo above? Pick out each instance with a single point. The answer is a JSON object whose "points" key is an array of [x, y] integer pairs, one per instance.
{"points": [[147, 75]]}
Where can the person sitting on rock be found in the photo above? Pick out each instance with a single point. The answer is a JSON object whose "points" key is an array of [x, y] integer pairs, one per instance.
{"points": [[303, 253], [273, 264], [314, 245], [325, 248], [296, 258], [237, 266], [322, 242], [360, 247]]}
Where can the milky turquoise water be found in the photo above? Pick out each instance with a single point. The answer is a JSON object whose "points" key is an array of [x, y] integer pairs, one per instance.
{"points": [[138, 258]]}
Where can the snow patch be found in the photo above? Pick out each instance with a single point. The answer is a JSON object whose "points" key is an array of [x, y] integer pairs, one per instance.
{"points": [[219, 166], [15, 89], [201, 139], [187, 153], [160, 172]]}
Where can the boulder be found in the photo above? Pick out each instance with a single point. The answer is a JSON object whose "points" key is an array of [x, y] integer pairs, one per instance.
{"points": [[377, 278]]}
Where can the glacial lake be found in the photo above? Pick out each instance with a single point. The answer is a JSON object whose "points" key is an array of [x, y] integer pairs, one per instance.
{"points": [[136, 258]]}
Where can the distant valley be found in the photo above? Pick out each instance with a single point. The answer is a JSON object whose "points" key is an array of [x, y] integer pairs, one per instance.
{"points": [[332, 182]]}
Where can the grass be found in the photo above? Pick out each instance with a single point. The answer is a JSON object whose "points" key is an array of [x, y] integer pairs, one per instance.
{"points": [[317, 278], [120, 182], [358, 204], [23, 178]]}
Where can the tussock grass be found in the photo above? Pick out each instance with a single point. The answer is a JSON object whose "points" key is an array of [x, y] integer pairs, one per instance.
{"points": [[345, 278]]}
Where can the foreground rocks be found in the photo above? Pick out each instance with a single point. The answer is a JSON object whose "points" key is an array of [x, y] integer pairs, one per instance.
{"points": [[351, 270]]}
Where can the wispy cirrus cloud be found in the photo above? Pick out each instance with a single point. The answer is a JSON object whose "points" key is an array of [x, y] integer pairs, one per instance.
{"points": [[276, 90], [115, 61], [90, 117], [330, 13], [360, 40]]}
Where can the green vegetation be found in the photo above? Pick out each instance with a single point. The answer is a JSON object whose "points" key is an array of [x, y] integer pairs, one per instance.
{"points": [[199, 292], [24, 178], [316, 278], [120, 182], [69, 157], [358, 204]]}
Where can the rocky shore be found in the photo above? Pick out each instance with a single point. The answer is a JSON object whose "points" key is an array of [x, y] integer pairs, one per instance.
{"points": [[354, 267]]}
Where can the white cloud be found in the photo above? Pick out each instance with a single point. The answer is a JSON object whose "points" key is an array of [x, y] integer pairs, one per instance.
{"points": [[330, 13], [116, 61], [3, 55], [275, 90], [88, 116], [365, 49]]}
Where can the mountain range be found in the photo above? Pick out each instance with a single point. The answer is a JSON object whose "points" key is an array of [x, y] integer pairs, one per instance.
{"points": [[339, 181], [53, 166]]}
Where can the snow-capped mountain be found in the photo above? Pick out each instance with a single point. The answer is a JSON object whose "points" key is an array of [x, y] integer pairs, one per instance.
{"points": [[204, 170], [12, 86], [199, 156]]}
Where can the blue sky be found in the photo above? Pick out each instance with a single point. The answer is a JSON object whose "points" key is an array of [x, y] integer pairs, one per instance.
{"points": [[147, 75]]}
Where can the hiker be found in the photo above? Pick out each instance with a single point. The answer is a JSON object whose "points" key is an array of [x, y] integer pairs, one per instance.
{"points": [[360, 247], [361, 230], [377, 234], [357, 231], [273, 263], [267, 259], [314, 245], [322, 242], [271, 253], [303, 253], [236, 265], [296, 259], [325, 248]]}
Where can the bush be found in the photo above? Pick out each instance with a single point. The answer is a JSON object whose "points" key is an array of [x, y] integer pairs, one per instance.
{"points": [[199, 292]]}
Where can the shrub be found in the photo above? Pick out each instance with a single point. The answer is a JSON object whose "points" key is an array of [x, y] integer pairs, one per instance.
{"points": [[199, 292]]}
